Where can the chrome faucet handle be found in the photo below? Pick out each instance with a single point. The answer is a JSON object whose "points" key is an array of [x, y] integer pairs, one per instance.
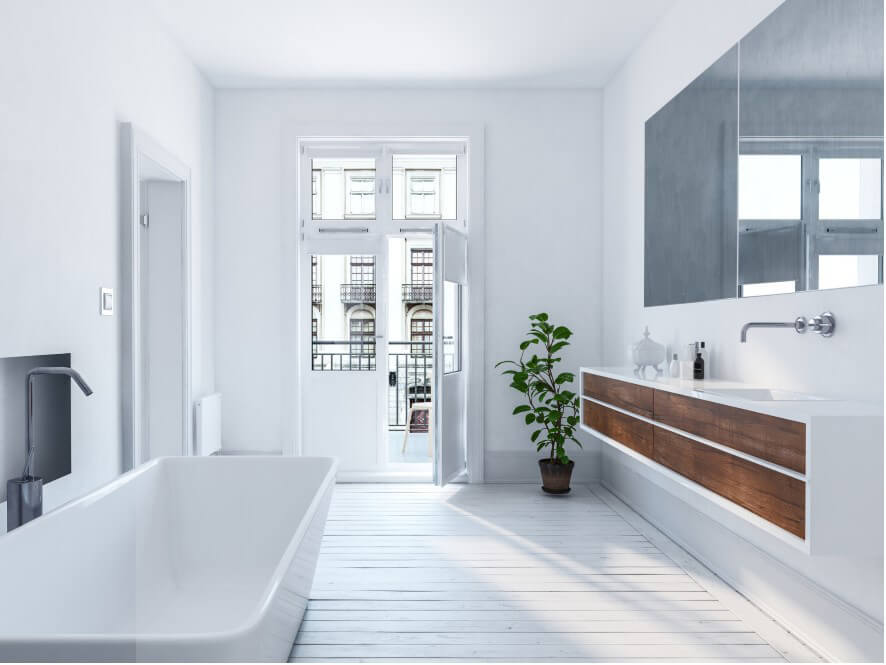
{"points": [[823, 324]]}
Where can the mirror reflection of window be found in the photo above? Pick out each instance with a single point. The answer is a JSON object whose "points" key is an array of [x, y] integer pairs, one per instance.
{"points": [[769, 186], [837, 271], [849, 188]]}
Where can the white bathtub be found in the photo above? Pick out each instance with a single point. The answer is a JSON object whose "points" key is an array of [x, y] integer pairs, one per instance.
{"points": [[182, 559]]}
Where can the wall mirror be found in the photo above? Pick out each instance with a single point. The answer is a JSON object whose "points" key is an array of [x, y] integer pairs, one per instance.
{"points": [[765, 174]]}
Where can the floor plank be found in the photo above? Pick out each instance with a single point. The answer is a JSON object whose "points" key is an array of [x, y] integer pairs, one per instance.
{"points": [[505, 573]]}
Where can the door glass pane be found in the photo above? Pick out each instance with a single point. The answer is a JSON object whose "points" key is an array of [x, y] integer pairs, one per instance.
{"points": [[424, 186], [837, 271], [410, 356], [343, 188], [769, 186], [451, 327], [343, 325], [849, 188]]}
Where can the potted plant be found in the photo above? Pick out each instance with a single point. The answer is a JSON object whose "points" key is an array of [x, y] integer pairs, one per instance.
{"points": [[549, 404]]}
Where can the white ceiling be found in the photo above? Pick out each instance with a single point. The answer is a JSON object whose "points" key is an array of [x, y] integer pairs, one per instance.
{"points": [[410, 43]]}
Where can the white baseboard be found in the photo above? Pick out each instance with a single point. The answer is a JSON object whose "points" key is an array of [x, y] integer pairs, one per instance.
{"points": [[833, 627], [521, 466]]}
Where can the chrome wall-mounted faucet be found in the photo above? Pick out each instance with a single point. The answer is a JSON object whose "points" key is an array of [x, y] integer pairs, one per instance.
{"points": [[823, 324]]}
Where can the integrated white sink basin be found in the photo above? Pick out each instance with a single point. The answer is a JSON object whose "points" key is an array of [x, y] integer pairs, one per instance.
{"points": [[765, 395]]}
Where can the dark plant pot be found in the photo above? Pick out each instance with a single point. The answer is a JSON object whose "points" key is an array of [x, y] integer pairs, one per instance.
{"points": [[555, 476]]}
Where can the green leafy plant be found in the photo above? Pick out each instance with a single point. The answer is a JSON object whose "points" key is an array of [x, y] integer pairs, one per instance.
{"points": [[550, 405]]}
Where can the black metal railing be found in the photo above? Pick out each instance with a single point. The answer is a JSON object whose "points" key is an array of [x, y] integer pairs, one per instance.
{"points": [[418, 293], [343, 355], [352, 294], [316, 294], [410, 370], [410, 379]]}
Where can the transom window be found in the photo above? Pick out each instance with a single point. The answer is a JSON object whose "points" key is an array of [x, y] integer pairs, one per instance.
{"points": [[316, 196], [422, 193], [360, 193]]}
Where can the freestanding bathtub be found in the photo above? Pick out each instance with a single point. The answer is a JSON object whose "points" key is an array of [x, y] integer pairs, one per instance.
{"points": [[182, 559]]}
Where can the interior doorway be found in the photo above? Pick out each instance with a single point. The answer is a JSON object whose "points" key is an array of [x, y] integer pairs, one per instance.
{"points": [[155, 302]]}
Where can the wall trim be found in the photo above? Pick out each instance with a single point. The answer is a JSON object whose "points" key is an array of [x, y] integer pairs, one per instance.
{"points": [[521, 466]]}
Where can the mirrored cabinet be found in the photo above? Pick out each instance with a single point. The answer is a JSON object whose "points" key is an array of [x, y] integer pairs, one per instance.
{"points": [[764, 175]]}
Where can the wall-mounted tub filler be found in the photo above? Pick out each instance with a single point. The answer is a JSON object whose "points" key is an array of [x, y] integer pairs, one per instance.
{"points": [[823, 324], [24, 496]]}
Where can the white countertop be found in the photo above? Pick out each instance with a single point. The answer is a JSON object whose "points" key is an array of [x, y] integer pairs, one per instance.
{"points": [[799, 410]]}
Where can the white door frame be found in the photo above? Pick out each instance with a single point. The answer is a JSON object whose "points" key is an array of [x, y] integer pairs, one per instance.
{"points": [[473, 134], [138, 151]]}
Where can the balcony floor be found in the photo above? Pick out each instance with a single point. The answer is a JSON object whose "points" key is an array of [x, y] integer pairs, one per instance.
{"points": [[416, 448]]}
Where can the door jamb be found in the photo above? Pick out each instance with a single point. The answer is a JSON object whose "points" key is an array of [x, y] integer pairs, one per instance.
{"points": [[136, 146]]}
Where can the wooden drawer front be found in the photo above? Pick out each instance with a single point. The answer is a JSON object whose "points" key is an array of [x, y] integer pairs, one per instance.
{"points": [[624, 395], [775, 497], [775, 440], [631, 432]]}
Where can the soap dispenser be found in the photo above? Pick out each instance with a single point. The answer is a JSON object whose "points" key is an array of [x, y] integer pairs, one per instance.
{"points": [[698, 363], [674, 367]]}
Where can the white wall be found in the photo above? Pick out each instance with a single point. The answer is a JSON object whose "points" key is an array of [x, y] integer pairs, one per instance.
{"points": [[835, 602], [543, 202], [70, 73]]}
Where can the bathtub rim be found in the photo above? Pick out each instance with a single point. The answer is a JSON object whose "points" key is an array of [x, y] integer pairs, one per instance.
{"points": [[253, 619]]}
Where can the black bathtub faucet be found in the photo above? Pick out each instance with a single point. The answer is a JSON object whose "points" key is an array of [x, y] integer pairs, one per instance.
{"points": [[24, 496]]}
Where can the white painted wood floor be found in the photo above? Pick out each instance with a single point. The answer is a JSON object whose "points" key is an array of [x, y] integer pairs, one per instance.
{"points": [[506, 573]]}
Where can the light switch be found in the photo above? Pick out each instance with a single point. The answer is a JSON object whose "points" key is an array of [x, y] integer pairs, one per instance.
{"points": [[106, 302]]}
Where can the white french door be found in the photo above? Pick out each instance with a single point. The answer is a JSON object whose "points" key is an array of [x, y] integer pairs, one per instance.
{"points": [[342, 354], [450, 408], [370, 391]]}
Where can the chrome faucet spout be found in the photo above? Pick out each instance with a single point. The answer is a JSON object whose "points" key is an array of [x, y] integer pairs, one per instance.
{"points": [[762, 324], [823, 324]]}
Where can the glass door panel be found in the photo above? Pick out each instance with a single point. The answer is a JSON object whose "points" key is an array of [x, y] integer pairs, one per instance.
{"points": [[344, 293], [410, 360]]}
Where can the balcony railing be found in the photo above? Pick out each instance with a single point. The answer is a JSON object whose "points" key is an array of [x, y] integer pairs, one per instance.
{"points": [[410, 377], [418, 293], [355, 294], [410, 370], [316, 294], [342, 355]]}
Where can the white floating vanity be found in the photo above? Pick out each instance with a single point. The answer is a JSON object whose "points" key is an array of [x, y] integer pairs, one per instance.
{"points": [[801, 468]]}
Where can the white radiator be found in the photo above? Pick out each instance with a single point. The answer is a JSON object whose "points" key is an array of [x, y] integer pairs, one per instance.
{"points": [[207, 417]]}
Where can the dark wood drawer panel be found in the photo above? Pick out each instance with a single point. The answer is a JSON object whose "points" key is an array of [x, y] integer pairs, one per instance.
{"points": [[624, 395], [775, 497], [775, 440], [631, 432]]}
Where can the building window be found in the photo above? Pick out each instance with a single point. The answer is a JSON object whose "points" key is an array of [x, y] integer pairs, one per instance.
{"points": [[362, 342], [422, 266], [316, 195], [423, 193], [421, 336], [363, 270], [360, 193]]}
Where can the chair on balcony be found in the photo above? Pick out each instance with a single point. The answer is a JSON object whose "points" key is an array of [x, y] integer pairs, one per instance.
{"points": [[417, 408]]}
